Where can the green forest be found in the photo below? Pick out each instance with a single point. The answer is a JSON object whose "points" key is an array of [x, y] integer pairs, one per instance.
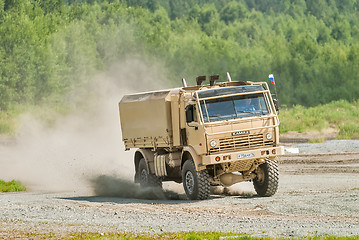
{"points": [[49, 47]]}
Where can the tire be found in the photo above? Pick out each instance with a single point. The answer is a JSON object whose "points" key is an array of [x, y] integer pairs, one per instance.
{"points": [[266, 182], [145, 178], [196, 184]]}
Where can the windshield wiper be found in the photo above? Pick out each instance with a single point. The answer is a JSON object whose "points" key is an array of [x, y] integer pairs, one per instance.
{"points": [[246, 112]]}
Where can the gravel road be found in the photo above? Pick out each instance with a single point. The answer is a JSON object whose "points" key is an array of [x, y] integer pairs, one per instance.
{"points": [[333, 146], [318, 195]]}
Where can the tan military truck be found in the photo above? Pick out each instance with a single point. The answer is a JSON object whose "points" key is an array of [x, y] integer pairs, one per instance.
{"points": [[216, 134]]}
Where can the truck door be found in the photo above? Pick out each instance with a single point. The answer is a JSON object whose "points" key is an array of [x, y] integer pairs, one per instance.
{"points": [[194, 130]]}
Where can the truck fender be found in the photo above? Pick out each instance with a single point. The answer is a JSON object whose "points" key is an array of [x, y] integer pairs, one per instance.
{"points": [[148, 155], [188, 152]]}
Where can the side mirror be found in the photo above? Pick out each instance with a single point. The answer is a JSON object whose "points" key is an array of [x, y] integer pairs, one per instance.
{"points": [[189, 114], [276, 105]]}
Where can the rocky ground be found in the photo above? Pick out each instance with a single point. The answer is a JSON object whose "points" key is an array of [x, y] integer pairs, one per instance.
{"points": [[318, 195]]}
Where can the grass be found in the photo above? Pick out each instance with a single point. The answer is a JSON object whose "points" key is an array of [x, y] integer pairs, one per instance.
{"points": [[340, 115], [172, 236], [12, 186]]}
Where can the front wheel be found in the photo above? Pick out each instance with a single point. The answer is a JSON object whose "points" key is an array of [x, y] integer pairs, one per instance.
{"points": [[266, 181], [145, 178], [196, 184]]}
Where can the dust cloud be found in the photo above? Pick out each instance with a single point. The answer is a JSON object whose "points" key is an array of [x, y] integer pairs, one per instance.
{"points": [[111, 186], [244, 189], [79, 147]]}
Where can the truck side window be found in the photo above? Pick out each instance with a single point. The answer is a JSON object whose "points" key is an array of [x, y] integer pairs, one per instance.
{"points": [[189, 113]]}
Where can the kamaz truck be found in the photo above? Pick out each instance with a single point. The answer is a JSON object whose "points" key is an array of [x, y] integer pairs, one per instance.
{"points": [[204, 135]]}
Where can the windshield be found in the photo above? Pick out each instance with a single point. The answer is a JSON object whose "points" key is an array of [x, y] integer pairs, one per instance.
{"points": [[233, 107]]}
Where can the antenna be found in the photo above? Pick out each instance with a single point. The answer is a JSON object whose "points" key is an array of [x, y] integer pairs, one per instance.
{"points": [[229, 77], [184, 83]]}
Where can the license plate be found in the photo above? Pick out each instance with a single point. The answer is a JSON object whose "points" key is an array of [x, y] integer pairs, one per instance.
{"points": [[245, 155]]}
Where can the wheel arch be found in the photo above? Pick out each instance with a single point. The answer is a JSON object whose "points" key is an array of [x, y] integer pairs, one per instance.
{"points": [[146, 154], [189, 152]]}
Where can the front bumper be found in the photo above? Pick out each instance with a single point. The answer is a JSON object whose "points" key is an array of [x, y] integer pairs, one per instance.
{"points": [[263, 153]]}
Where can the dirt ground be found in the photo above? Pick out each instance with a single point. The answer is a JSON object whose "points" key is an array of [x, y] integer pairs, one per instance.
{"points": [[318, 195]]}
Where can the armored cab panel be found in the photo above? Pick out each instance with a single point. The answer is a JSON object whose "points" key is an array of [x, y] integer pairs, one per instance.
{"points": [[146, 120]]}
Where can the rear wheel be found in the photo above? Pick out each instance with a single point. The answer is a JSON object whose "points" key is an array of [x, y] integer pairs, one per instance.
{"points": [[145, 178], [195, 183], [266, 181]]}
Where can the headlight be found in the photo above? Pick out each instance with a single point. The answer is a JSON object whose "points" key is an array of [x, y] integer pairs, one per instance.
{"points": [[213, 143], [269, 136]]}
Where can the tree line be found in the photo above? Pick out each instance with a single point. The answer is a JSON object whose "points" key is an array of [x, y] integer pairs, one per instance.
{"points": [[49, 47]]}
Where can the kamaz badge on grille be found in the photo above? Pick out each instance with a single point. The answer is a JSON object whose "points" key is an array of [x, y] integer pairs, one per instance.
{"points": [[240, 133]]}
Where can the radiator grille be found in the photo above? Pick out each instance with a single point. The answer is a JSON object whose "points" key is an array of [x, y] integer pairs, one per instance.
{"points": [[242, 142]]}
